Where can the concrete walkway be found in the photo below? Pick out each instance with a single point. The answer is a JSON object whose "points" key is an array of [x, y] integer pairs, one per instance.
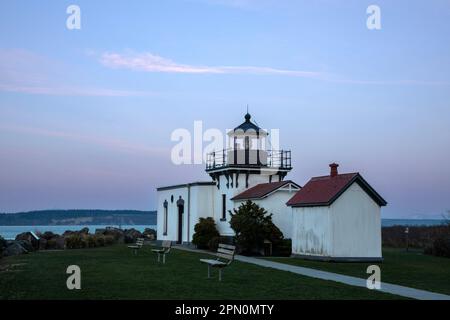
{"points": [[324, 275]]}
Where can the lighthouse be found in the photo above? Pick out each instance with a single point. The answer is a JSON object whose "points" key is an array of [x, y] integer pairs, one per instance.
{"points": [[247, 162]]}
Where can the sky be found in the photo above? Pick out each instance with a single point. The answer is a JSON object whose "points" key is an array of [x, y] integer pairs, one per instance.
{"points": [[86, 115]]}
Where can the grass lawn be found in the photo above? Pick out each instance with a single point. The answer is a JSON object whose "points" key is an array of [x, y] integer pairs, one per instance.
{"points": [[114, 273], [412, 269]]}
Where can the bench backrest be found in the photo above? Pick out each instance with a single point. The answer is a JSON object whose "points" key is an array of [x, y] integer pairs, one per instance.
{"points": [[226, 252], [166, 244], [140, 242]]}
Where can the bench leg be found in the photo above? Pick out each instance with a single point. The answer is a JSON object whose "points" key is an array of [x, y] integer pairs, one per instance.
{"points": [[209, 271], [164, 258], [158, 257], [220, 274]]}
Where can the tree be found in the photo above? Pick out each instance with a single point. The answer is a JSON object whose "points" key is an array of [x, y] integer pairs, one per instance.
{"points": [[205, 230], [252, 225]]}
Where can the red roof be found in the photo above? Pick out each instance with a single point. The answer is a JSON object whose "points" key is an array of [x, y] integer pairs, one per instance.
{"points": [[323, 191], [261, 190]]}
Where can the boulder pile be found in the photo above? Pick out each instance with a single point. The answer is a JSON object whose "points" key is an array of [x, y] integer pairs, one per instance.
{"points": [[28, 241]]}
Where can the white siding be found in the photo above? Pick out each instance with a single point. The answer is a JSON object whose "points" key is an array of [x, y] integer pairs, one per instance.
{"points": [[253, 179], [202, 205], [172, 219], [311, 233], [349, 228], [356, 225], [199, 203]]}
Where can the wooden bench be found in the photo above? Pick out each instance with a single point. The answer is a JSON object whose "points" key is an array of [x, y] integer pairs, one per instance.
{"points": [[166, 245], [139, 243], [225, 255]]}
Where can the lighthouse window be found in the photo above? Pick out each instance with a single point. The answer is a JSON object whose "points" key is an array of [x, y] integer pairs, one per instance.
{"points": [[224, 207], [165, 219]]}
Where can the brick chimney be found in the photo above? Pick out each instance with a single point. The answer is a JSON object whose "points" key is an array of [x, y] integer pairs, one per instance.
{"points": [[333, 169]]}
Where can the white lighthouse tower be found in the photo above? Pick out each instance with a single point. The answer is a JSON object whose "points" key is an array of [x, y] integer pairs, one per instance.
{"points": [[245, 164]]}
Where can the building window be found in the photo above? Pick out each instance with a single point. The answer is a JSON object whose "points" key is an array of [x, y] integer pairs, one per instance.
{"points": [[224, 207], [165, 218]]}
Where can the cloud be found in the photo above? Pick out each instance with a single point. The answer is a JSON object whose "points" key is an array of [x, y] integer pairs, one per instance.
{"points": [[149, 62], [22, 71]]}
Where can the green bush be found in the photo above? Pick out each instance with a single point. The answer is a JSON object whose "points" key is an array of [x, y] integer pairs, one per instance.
{"points": [[109, 240], [439, 248], [74, 242], [213, 244], [99, 240], [51, 244], [205, 231], [283, 249], [252, 225], [89, 241]]}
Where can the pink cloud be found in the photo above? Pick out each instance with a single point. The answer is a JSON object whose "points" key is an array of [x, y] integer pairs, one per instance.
{"points": [[149, 62]]}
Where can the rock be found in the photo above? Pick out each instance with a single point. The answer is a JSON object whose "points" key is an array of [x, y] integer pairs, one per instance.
{"points": [[118, 234], [56, 243], [32, 242], [26, 245], [42, 244], [149, 234], [81, 233], [100, 231], [48, 235], [131, 235], [14, 248]]}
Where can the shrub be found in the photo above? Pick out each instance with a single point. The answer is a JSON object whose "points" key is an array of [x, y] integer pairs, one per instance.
{"points": [[283, 249], [51, 244], [109, 240], [205, 231], [213, 244], [74, 242], [252, 225], [418, 236], [439, 248], [89, 241], [99, 240]]}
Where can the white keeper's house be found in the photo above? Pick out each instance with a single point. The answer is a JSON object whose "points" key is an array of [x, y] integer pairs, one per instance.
{"points": [[332, 217]]}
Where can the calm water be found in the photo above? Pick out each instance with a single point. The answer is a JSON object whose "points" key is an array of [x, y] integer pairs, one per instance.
{"points": [[10, 232]]}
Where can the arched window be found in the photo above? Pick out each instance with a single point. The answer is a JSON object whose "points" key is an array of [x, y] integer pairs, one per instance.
{"points": [[165, 218]]}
